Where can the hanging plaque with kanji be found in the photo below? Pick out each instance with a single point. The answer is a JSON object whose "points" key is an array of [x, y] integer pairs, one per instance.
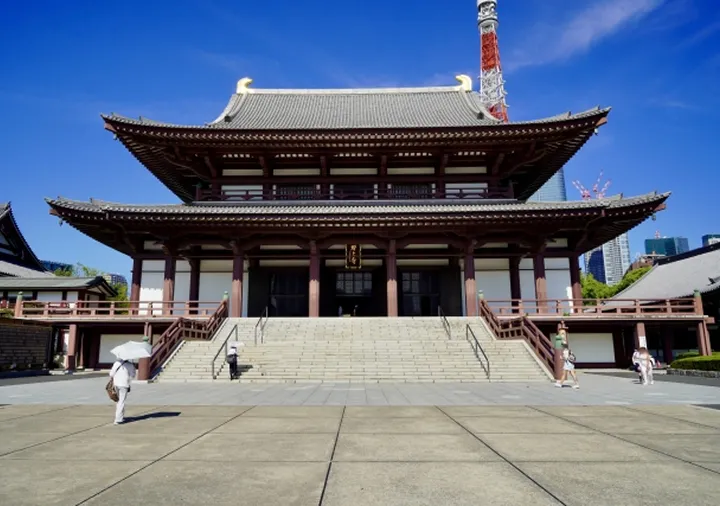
{"points": [[353, 256]]}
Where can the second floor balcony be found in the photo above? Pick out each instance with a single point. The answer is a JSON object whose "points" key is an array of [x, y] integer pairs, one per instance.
{"points": [[354, 192]]}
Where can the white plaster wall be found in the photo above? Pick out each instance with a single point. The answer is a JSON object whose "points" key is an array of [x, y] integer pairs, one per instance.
{"points": [[109, 341], [49, 296], [495, 285], [151, 284], [215, 280], [527, 290], [72, 296], [182, 287], [592, 348], [557, 273]]}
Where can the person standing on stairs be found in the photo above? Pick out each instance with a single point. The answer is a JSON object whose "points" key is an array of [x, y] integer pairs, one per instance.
{"points": [[232, 362]]}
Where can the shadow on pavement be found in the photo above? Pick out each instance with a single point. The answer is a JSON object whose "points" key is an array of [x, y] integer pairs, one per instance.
{"points": [[150, 416]]}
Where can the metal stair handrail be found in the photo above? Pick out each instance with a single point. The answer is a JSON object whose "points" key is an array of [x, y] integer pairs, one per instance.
{"points": [[477, 347], [260, 325], [445, 322]]}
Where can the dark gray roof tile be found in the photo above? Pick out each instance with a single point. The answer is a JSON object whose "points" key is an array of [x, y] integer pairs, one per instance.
{"points": [[341, 109], [353, 207]]}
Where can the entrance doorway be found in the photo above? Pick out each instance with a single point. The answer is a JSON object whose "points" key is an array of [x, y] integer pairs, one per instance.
{"points": [[354, 292], [289, 293], [419, 293]]}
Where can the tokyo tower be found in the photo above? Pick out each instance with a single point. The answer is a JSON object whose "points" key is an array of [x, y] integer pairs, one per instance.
{"points": [[492, 85]]}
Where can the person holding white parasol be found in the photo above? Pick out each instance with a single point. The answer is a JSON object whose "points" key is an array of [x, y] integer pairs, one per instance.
{"points": [[123, 372]]}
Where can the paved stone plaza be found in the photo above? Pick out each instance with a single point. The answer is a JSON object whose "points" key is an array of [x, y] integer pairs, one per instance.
{"points": [[379, 445]]}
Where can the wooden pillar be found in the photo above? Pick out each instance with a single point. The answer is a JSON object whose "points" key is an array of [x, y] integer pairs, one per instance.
{"points": [[575, 282], [540, 283], [392, 287], [236, 293], [136, 281], [640, 336], [148, 332], [515, 290], [470, 283], [169, 284], [703, 335], [194, 292], [314, 290], [72, 347], [668, 343]]}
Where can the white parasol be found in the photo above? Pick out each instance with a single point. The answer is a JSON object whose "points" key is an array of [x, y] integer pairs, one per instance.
{"points": [[132, 350]]}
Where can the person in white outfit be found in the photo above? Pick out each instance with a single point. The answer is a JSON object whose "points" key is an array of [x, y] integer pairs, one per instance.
{"points": [[568, 367], [647, 363], [636, 364], [122, 373]]}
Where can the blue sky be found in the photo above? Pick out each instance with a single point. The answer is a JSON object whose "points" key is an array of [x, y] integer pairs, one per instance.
{"points": [[64, 62]]}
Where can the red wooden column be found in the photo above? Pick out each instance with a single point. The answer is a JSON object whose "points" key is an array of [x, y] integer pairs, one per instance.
{"points": [[515, 290], [575, 281], [236, 292], [392, 288], [640, 336], [470, 283], [169, 283], [72, 347], [540, 283], [314, 299], [136, 282], [703, 336], [194, 292]]}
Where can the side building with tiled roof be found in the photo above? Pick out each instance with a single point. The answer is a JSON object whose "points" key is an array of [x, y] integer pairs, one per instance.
{"points": [[376, 202]]}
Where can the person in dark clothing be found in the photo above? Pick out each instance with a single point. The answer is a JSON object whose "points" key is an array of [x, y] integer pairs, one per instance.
{"points": [[232, 362]]}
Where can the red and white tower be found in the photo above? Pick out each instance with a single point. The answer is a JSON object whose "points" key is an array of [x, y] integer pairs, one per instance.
{"points": [[492, 85]]}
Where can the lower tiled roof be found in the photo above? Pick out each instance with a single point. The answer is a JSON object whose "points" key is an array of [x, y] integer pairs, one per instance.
{"points": [[678, 276], [445, 206]]}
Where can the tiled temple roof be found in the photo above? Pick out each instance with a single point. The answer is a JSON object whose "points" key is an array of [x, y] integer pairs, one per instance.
{"points": [[27, 265], [304, 207], [678, 276], [349, 109]]}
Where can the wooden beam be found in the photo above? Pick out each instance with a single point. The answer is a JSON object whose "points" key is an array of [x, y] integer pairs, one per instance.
{"points": [[209, 164], [265, 165], [495, 169], [324, 170]]}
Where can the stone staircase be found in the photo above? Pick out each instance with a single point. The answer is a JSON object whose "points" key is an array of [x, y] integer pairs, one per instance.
{"points": [[389, 350]]}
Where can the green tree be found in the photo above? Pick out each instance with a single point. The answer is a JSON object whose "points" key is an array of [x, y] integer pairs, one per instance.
{"points": [[594, 289], [630, 278]]}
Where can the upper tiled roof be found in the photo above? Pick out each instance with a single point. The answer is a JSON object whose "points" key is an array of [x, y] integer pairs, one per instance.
{"points": [[11, 269], [24, 263], [678, 276], [344, 109], [307, 207]]}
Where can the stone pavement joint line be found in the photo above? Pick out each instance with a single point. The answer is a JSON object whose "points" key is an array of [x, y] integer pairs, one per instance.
{"points": [[157, 460]]}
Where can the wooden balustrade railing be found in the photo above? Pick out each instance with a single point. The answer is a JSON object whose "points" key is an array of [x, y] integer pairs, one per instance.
{"points": [[520, 328], [111, 309], [181, 329], [337, 194], [583, 307]]}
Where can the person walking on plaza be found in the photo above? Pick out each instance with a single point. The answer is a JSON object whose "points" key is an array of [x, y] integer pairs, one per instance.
{"points": [[647, 364], [568, 367], [636, 365], [122, 374]]}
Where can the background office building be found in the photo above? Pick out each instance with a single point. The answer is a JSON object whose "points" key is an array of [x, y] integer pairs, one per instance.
{"points": [[709, 239], [667, 246], [609, 263], [552, 191]]}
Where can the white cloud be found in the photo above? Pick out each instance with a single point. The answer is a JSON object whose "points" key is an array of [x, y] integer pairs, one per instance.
{"points": [[596, 22]]}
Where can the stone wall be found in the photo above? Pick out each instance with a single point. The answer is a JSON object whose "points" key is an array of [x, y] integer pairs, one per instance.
{"points": [[24, 344]]}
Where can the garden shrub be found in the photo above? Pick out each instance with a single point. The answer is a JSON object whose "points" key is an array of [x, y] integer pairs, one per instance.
{"points": [[698, 363], [687, 354]]}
